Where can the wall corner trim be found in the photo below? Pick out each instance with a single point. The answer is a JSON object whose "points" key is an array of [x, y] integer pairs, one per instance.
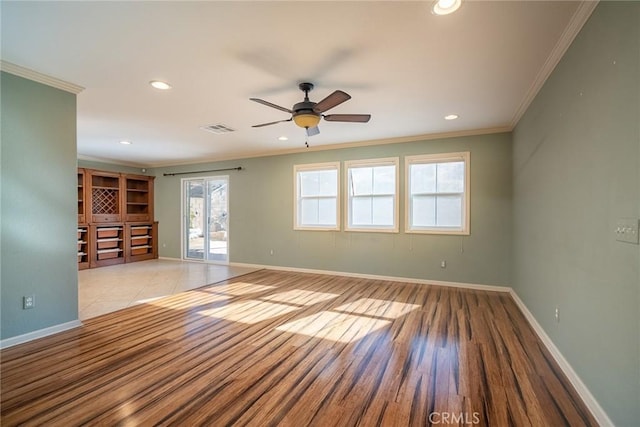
{"points": [[577, 21], [41, 333], [36, 76], [590, 401]]}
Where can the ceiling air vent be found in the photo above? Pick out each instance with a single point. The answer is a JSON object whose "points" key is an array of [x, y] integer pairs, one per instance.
{"points": [[218, 129]]}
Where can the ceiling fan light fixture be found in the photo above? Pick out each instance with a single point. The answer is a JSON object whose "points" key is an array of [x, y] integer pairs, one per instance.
{"points": [[445, 7], [306, 120]]}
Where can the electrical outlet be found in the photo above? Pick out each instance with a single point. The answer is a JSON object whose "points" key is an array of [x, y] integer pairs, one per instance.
{"points": [[557, 314], [627, 230], [443, 264], [28, 301]]}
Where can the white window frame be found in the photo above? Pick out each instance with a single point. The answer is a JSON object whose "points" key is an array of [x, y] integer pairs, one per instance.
{"points": [[389, 161], [439, 158], [296, 194]]}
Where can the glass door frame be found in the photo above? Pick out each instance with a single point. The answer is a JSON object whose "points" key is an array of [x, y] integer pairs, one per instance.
{"points": [[184, 219]]}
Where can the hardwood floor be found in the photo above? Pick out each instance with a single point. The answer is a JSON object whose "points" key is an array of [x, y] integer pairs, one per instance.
{"points": [[276, 348]]}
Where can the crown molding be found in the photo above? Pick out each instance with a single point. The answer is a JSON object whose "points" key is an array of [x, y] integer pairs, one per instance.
{"points": [[577, 21], [327, 147], [112, 162], [35, 76]]}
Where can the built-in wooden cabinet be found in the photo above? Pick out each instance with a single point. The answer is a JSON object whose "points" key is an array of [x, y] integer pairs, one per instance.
{"points": [[115, 214], [104, 196], [108, 244], [141, 241], [138, 198]]}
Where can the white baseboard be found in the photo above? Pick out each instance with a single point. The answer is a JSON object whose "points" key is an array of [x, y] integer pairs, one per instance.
{"points": [[378, 277], [165, 258], [21, 339], [589, 400]]}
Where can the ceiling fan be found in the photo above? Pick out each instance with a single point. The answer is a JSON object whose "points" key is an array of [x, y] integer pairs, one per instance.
{"points": [[307, 114]]}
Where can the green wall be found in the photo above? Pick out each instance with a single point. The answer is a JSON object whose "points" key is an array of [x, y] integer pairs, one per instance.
{"points": [[576, 171], [261, 217], [39, 218]]}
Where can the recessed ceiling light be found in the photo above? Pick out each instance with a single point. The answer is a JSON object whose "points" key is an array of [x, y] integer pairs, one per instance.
{"points": [[160, 84], [283, 138], [125, 142], [451, 117], [445, 7]]}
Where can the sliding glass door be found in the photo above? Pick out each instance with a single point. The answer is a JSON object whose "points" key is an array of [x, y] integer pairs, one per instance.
{"points": [[206, 218]]}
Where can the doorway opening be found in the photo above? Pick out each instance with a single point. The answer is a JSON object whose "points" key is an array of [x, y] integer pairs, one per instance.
{"points": [[206, 219]]}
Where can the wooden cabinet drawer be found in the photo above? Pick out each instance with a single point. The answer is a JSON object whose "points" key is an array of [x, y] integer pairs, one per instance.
{"points": [[140, 250], [142, 230], [137, 217], [108, 244], [105, 233], [141, 240], [107, 255], [106, 218]]}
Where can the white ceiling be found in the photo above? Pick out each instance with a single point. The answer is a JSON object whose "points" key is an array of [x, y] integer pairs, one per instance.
{"points": [[405, 66]]}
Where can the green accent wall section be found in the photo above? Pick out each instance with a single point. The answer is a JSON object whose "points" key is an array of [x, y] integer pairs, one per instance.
{"points": [[39, 218], [261, 217], [576, 171]]}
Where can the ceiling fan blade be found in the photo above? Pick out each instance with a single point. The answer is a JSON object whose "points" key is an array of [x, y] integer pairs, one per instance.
{"points": [[269, 104], [271, 123], [336, 98], [313, 131], [355, 118]]}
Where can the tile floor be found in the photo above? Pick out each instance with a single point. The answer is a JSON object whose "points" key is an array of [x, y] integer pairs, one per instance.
{"points": [[106, 289]]}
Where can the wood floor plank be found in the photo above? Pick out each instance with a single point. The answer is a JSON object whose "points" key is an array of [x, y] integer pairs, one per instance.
{"points": [[278, 348]]}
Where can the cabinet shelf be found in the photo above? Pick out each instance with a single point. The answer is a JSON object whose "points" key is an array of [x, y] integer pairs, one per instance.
{"points": [[83, 248], [106, 251], [108, 244], [142, 241], [104, 187]]}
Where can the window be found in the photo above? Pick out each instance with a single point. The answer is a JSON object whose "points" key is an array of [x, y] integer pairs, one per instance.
{"points": [[317, 196], [372, 202], [438, 193]]}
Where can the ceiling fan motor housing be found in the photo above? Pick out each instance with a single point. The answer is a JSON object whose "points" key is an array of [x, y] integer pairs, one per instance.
{"points": [[304, 114]]}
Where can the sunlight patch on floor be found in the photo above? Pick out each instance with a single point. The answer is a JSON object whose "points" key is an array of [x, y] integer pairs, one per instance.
{"points": [[191, 299], [377, 308], [240, 288], [250, 312], [341, 327], [300, 297]]}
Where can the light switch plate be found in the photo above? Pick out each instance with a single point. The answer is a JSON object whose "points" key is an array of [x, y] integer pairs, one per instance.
{"points": [[627, 230]]}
